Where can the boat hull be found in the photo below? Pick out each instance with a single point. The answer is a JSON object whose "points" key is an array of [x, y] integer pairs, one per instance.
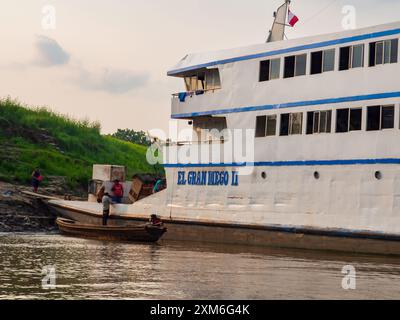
{"points": [[267, 236], [138, 233]]}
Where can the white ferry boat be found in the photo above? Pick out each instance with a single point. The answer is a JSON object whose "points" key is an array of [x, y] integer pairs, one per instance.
{"points": [[325, 174]]}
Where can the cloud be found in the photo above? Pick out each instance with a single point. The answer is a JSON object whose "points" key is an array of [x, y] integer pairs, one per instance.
{"points": [[112, 81], [50, 53]]}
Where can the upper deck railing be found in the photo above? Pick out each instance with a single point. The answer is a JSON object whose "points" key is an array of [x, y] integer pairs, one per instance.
{"points": [[193, 93]]}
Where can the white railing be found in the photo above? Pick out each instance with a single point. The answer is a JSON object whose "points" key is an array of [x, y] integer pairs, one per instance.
{"points": [[186, 143], [194, 93]]}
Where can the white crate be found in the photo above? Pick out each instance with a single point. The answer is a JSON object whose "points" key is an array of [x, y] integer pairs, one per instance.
{"points": [[108, 172]]}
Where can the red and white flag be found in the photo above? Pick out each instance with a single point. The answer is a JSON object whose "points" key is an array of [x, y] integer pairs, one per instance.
{"points": [[292, 18]]}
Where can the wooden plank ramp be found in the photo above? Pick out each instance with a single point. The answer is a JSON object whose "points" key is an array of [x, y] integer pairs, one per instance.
{"points": [[39, 196]]}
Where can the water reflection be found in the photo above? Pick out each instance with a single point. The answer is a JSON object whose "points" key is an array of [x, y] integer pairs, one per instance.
{"points": [[88, 269]]}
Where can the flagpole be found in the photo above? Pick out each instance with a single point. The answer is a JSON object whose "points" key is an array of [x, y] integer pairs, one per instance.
{"points": [[277, 33]]}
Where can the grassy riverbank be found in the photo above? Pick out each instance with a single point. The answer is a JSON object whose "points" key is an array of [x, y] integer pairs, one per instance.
{"points": [[60, 146]]}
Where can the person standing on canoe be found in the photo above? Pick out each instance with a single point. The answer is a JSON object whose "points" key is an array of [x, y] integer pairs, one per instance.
{"points": [[107, 202], [36, 179], [118, 191]]}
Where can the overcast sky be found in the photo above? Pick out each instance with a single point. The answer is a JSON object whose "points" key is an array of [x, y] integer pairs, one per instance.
{"points": [[107, 59]]}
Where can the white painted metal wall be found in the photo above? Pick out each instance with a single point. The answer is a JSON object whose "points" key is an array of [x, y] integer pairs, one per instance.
{"points": [[345, 196]]}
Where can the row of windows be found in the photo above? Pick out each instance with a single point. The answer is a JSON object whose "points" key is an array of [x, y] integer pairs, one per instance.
{"points": [[203, 81], [348, 119], [380, 52]]}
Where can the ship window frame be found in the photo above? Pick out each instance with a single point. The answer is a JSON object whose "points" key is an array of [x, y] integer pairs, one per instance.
{"points": [[270, 68], [349, 120], [320, 66], [379, 125], [296, 74], [265, 124], [261, 126], [194, 81], [199, 81], [350, 59], [333, 61], [314, 126], [289, 131], [385, 45], [291, 62], [215, 84]]}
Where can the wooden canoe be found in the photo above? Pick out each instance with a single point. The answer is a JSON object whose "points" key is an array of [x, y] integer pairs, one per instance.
{"points": [[139, 233]]}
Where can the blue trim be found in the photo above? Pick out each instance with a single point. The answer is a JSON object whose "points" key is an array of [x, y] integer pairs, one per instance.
{"points": [[289, 50], [291, 105], [289, 163]]}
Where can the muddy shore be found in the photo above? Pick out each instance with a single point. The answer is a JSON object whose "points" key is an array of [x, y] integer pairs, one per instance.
{"points": [[20, 213]]}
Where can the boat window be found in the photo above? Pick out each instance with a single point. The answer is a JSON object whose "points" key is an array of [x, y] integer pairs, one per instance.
{"points": [[342, 120], [291, 124], [383, 52], [351, 57], [207, 80], [195, 83], [271, 126], [284, 131], [295, 66], [344, 63], [387, 121], [270, 69], [394, 51], [261, 124], [379, 53], [289, 67], [275, 69], [201, 78], [380, 117], [355, 119], [316, 62], [212, 80], [301, 62], [322, 61], [329, 60], [319, 122], [209, 128], [373, 118], [358, 56], [348, 120], [265, 126], [264, 70]]}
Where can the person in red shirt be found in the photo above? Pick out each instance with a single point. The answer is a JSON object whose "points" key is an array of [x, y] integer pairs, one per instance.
{"points": [[155, 220], [36, 179], [118, 192]]}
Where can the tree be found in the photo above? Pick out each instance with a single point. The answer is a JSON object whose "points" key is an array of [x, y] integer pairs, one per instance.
{"points": [[138, 137]]}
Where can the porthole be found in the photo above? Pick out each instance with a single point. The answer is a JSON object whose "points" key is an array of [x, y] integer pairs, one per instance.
{"points": [[264, 175], [316, 175], [378, 175]]}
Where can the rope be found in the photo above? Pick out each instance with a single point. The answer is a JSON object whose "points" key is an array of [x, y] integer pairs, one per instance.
{"points": [[320, 11]]}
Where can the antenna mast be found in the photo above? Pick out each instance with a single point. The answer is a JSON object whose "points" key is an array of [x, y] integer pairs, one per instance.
{"points": [[277, 33]]}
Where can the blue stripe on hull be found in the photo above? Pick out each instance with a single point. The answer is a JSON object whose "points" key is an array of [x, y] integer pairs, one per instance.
{"points": [[289, 163], [367, 97]]}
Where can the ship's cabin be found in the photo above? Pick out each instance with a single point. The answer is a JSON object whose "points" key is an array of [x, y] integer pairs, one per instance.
{"points": [[338, 83]]}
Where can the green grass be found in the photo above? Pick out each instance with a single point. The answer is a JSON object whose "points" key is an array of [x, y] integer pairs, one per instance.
{"points": [[60, 146]]}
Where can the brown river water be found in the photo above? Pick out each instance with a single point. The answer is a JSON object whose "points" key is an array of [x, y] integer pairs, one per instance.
{"points": [[89, 269]]}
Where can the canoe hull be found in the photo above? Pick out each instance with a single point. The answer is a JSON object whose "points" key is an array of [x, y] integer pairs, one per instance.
{"points": [[138, 233]]}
